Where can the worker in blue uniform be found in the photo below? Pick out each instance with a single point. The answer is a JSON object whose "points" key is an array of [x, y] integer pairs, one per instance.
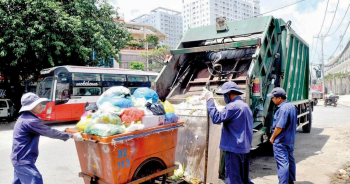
{"points": [[26, 134], [237, 132], [283, 136]]}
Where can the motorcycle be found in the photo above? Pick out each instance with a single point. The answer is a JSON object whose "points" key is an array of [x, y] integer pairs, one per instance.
{"points": [[331, 101]]}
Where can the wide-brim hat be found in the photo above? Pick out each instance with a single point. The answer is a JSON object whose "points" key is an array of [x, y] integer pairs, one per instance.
{"points": [[229, 86], [29, 101]]}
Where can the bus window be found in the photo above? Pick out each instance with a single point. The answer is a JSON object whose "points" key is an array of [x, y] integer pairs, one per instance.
{"points": [[152, 78], [63, 91], [86, 91], [44, 86], [86, 77], [113, 78], [137, 78]]}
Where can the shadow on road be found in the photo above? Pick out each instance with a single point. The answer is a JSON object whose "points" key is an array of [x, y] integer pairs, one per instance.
{"points": [[306, 145]]}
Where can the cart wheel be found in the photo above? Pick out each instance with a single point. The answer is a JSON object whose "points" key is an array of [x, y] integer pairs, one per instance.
{"points": [[148, 167]]}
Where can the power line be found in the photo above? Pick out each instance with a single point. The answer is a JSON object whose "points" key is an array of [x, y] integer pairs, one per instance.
{"points": [[325, 13], [333, 18], [339, 44], [341, 21], [276, 9]]}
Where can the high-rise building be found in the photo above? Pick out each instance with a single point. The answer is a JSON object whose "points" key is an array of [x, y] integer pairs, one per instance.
{"points": [[197, 13], [166, 20]]}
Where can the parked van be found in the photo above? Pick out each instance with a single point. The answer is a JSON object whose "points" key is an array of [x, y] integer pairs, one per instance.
{"points": [[7, 109]]}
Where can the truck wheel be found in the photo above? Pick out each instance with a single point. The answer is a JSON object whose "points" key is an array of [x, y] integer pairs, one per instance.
{"points": [[148, 167], [307, 127]]}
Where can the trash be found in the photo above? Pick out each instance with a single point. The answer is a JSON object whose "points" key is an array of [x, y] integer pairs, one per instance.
{"points": [[178, 173], [153, 121], [174, 119], [132, 114], [342, 172], [91, 107], [157, 108], [140, 102], [83, 123], [196, 181], [133, 127], [344, 177], [146, 93], [147, 111], [168, 107], [196, 100], [169, 115], [116, 96], [106, 118], [108, 107], [104, 130]]}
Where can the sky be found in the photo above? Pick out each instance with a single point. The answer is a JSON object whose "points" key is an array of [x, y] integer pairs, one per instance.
{"points": [[306, 16]]}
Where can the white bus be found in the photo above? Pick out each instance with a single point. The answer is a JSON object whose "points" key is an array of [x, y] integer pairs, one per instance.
{"points": [[68, 88]]}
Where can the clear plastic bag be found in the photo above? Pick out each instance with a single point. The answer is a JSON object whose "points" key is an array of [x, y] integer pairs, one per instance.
{"points": [[146, 93], [168, 107], [156, 108], [108, 107], [106, 118], [83, 123], [104, 130], [140, 102], [132, 114]]}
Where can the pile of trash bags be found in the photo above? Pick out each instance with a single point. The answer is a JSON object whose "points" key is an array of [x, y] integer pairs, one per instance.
{"points": [[116, 111]]}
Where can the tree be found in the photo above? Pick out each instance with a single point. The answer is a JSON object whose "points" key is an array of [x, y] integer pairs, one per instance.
{"points": [[156, 57], [153, 40], [135, 65], [37, 34]]}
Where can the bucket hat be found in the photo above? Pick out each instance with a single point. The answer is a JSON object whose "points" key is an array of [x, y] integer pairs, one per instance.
{"points": [[229, 86], [277, 92], [29, 101]]}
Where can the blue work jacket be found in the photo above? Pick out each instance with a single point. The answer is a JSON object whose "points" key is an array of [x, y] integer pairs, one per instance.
{"points": [[237, 130], [26, 134], [286, 117]]}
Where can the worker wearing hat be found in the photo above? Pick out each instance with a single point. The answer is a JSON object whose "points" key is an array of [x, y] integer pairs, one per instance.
{"points": [[283, 135], [237, 131], [26, 134]]}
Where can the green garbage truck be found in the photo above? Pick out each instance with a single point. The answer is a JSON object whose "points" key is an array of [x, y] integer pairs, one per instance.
{"points": [[258, 54]]}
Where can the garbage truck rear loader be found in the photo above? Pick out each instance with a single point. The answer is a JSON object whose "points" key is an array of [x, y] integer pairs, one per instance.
{"points": [[258, 54]]}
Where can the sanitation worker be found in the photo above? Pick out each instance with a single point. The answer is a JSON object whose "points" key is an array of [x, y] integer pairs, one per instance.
{"points": [[283, 135], [26, 134], [237, 132]]}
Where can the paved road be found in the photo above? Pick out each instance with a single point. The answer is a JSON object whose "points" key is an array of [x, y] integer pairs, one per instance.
{"points": [[318, 154]]}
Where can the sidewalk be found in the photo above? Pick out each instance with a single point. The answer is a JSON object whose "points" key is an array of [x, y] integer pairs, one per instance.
{"points": [[344, 100]]}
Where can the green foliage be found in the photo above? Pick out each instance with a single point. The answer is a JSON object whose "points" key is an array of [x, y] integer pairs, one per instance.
{"points": [[152, 40], [37, 34], [156, 57], [336, 75], [134, 44], [135, 65]]}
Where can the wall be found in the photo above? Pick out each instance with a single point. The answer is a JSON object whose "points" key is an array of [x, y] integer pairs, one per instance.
{"points": [[339, 86]]}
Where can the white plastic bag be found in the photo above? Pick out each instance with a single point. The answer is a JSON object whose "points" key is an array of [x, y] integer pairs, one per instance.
{"points": [[133, 127]]}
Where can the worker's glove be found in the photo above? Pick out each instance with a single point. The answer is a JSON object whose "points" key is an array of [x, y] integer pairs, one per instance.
{"points": [[207, 94], [78, 137]]}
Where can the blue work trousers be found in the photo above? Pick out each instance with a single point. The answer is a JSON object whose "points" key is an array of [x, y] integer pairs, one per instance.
{"points": [[286, 168], [237, 168], [27, 174]]}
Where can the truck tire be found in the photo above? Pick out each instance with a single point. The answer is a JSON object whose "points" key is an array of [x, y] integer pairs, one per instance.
{"points": [[307, 127]]}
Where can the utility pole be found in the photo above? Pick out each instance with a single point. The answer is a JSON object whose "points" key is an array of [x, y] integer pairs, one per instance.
{"points": [[323, 83], [322, 57]]}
